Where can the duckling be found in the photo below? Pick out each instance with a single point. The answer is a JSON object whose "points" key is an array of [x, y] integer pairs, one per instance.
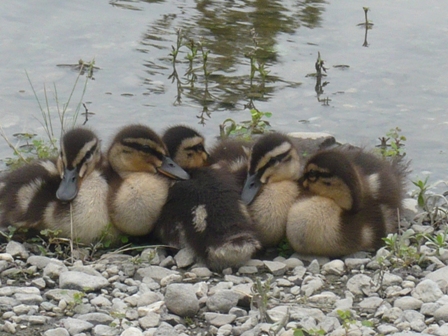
{"points": [[43, 194], [205, 213], [140, 174], [232, 154], [271, 185], [349, 202]]}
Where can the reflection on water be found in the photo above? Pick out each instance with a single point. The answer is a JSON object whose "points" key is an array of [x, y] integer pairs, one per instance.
{"points": [[231, 55], [234, 37]]}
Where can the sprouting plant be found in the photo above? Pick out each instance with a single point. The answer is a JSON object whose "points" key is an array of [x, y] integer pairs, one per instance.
{"points": [[394, 147], [175, 49], [434, 205], [77, 300], [404, 249], [260, 298], [188, 321], [9, 233], [284, 249], [348, 320], [438, 242], [308, 332], [204, 54], [367, 23], [247, 128], [319, 74], [423, 187]]}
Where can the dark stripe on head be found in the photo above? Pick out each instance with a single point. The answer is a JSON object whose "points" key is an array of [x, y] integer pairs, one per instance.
{"points": [[338, 165], [264, 145], [74, 140], [174, 136], [143, 148]]}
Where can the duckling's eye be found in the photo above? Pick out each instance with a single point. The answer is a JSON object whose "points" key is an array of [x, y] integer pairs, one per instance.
{"points": [[273, 161], [189, 155], [313, 175], [88, 155]]}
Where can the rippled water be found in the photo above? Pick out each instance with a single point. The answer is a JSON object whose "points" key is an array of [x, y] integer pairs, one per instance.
{"points": [[396, 75]]}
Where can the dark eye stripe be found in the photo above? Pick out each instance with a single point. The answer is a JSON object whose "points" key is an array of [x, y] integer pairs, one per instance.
{"points": [[87, 156], [284, 157], [315, 175], [144, 148], [196, 148]]}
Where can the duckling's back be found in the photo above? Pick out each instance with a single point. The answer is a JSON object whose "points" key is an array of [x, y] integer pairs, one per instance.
{"points": [[26, 192], [205, 213]]}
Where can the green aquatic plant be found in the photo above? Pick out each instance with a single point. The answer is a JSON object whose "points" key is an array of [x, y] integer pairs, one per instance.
{"points": [[247, 128], [392, 144], [29, 146], [367, 23]]}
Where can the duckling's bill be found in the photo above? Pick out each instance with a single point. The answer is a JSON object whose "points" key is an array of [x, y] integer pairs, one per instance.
{"points": [[68, 188], [172, 169], [250, 189]]}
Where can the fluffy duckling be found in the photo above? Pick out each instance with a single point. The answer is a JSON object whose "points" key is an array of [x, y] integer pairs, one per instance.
{"points": [[141, 173], [205, 213], [41, 195], [232, 154], [271, 185], [349, 201]]}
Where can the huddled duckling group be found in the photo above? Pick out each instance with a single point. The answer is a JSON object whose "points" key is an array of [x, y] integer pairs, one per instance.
{"points": [[224, 205]]}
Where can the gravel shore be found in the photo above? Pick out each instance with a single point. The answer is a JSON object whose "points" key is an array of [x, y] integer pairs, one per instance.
{"points": [[389, 292]]}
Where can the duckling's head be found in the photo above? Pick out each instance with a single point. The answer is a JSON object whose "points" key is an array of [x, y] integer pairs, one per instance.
{"points": [[137, 148], [186, 147], [273, 158], [331, 174], [80, 154]]}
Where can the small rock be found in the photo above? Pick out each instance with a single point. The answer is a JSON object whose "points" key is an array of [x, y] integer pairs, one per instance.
{"points": [[82, 281], [149, 321], [184, 258], [54, 268], [275, 267], [360, 284], [427, 291], [441, 314], [370, 304], [10, 327], [38, 261], [222, 301], [407, 302], [104, 330], [248, 270], [76, 326], [132, 331], [16, 249], [96, 318], [311, 284], [181, 299], [314, 267], [157, 273], [202, 272], [6, 257], [219, 320], [334, 267]]}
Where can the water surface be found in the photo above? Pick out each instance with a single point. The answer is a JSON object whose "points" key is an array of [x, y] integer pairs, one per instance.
{"points": [[396, 75]]}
